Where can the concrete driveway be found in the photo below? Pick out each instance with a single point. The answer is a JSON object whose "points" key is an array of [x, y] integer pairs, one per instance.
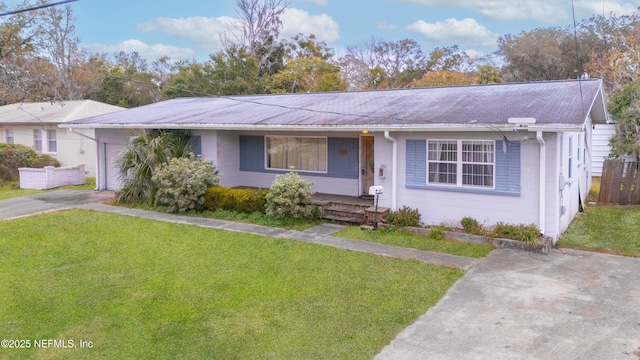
{"points": [[50, 201], [518, 305]]}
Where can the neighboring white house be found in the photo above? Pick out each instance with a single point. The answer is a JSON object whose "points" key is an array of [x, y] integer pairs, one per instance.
{"points": [[36, 125], [514, 153], [601, 149]]}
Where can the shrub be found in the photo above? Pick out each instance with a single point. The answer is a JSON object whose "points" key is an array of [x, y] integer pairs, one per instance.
{"points": [[437, 232], [41, 161], [404, 216], [182, 183], [144, 153], [12, 157], [472, 226], [526, 233], [238, 200], [290, 195]]}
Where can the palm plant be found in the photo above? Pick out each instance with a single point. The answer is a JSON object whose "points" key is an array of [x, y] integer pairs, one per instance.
{"points": [[146, 151]]}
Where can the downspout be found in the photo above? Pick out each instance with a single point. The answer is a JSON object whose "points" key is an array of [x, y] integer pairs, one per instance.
{"points": [[543, 187], [97, 156], [394, 171]]}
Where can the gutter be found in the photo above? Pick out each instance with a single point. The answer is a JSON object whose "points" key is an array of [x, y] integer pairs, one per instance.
{"points": [[394, 171], [543, 187], [97, 152], [333, 127]]}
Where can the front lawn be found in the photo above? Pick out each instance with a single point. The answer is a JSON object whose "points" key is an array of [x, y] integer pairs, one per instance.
{"points": [[422, 242], [142, 289], [614, 230]]}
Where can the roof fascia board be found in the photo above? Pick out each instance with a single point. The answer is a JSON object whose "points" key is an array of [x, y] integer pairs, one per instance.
{"points": [[358, 128]]}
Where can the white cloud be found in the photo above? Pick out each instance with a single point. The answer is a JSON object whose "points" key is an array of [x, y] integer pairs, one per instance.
{"points": [[296, 21], [466, 31], [205, 32], [585, 8], [549, 11], [146, 51], [319, 2], [383, 25]]}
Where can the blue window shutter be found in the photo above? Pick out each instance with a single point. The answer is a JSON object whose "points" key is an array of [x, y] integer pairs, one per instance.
{"points": [[508, 167], [252, 153], [416, 162], [196, 144]]}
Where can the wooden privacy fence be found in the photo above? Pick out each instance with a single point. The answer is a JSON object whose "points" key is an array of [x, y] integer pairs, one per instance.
{"points": [[620, 183]]}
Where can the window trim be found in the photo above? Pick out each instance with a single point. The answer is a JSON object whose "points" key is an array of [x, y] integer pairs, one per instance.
{"points": [[326, 158], [37, 136], [460, 165], [55, 140], [9, 136]]}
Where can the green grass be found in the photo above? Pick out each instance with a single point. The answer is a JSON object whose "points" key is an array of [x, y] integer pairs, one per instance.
{"points": [[256, 218], [605, 229], [12, 189], [141, 289], [422, 242]]}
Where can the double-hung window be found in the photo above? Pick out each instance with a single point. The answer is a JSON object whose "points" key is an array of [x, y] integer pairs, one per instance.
{"points": [[52, 142], [37, 140], [299, 153], [461, 163], [10, 138]]}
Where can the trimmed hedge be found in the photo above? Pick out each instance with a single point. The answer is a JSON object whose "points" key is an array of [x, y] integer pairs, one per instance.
{"points": [[239, 200]]}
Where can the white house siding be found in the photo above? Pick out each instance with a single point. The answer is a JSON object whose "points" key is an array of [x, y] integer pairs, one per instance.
{"points": [[600, 151], [110, 142], [450, 206], [72, 149], [229, 162]]}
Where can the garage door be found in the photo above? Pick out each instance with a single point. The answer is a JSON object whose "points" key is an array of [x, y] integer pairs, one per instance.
{"points": [[112, 178]]}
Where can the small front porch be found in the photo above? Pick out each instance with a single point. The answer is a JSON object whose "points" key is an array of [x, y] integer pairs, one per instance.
{"points": [[351, 209]]}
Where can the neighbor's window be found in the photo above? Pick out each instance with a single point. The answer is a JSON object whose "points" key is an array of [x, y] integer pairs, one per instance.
{"points": [[10, 139], [461, 162], [51, 141], [299, 153], [37, 140]]}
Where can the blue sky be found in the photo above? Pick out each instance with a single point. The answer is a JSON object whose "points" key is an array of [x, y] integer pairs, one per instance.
{"points": [[192, 29]]}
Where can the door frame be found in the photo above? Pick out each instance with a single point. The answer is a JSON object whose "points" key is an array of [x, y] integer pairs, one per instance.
{"points": [[364, 190]]}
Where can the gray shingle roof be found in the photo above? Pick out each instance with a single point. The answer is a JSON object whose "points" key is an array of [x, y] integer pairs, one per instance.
{"points": [[554, 102], [53, 112]]}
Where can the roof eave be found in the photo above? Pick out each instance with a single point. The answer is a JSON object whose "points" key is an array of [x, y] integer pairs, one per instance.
{"points": [[358, 128]]}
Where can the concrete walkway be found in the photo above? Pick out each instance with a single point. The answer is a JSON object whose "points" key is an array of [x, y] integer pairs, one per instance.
{"points": [[321, 234]]}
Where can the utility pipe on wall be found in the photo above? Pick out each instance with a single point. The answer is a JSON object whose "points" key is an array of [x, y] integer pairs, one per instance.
{"points": [[543, 187], [97, 155], [394, 171]]}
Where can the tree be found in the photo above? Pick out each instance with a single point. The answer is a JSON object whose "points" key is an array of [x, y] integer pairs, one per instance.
{"points": [[309, 75], [260, 25], [57, 41], [308, 67], [539, 54], [128, 82], [610, 43], [624, 107], [300, 46], [443, 78], [390, 60], [488, 74], [353, 72]]}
